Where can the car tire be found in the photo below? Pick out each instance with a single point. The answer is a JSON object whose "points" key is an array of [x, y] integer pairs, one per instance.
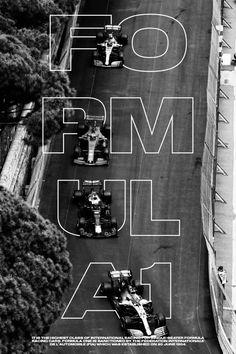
{"points": [[81, 129], [106, 131], [77, 151], [113, 221], [95, 54], [78, 196], [106, 289], [99, 37], [123, 39], [139, 287], [82, 222], [161, 319], [107, 197], [127, 322]]}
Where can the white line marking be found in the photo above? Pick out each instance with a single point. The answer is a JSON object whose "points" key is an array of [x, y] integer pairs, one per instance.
{"points": [[150, 285], [152, 130], [64, 120], [63, 317], [150, 57], [152, 219], [185, 36]]}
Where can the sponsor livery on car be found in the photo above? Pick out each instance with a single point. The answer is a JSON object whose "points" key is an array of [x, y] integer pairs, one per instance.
{"points": [[110, 43], [136, 313], [94, 204], [92, 146]]}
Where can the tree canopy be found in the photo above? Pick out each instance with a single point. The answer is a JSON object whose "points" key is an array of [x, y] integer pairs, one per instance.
{"points": [[26, 79], [25, 75], [35, 273]]}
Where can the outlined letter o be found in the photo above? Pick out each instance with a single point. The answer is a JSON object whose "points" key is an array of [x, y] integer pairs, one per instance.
{"points": [[157, 42]]}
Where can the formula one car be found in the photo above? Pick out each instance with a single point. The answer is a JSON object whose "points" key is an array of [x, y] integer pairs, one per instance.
{"points": [[95, 218], [110, 43], [136, 313], [92, 147]]}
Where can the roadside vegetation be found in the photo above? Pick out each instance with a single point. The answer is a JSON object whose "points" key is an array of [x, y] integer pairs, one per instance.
{"points": [[35, 273], [24, 72]]}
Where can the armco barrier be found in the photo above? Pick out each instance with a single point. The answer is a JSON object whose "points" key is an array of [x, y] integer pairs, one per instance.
{"points": [[224, 316]]}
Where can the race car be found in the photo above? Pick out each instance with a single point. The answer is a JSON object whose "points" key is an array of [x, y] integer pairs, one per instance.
{"points": [[136, 314], [110, 43], [92, 147], [94, 204]]}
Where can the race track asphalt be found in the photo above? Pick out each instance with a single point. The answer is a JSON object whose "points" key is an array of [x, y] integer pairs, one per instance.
{"points": [[176, 185]]}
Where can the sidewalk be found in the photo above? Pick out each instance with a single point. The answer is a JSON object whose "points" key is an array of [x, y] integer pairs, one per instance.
{"points": [[225, 198]]}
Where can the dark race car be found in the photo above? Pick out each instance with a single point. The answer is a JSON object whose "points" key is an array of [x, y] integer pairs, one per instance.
{"points": [[110, 43], [94, 204], [136, 314], [92, 147]]}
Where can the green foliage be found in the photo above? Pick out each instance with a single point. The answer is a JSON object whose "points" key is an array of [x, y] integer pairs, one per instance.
{"points": [[35, 273]]}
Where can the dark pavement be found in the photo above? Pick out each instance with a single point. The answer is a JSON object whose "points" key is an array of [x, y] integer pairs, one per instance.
{"points": [[176, 187]]}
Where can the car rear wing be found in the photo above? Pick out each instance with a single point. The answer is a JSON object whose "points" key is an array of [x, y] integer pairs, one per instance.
{"points": [[95, 120], [117, 274], [111, 28], [91, 183]]}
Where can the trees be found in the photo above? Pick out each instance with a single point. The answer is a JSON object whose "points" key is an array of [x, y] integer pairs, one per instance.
{"points": [[35, 272], [26, 79], [20, 82], [27, 13]]}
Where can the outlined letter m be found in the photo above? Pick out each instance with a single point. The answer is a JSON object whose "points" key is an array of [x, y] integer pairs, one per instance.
{"points": [[172, 125]]}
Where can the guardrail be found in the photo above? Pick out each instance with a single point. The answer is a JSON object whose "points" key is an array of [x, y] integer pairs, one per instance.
{"points": [[224, 317]]}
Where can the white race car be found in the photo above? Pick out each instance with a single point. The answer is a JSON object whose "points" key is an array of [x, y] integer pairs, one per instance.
{"points": [[110, 43], [92, 147], [136, 313]]}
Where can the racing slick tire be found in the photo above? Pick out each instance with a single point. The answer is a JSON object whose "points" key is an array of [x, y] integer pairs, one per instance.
{"points": [[126, 322], [113, 221], [106, 131], [81, 129], [161, 319], [78, 196], [99, 37], [106, 289], [139, 287], [123, 39], [114, 225], [121, 56], [106, 155], [95, 56], [77, 151], [82, 222], [107, 197]]}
